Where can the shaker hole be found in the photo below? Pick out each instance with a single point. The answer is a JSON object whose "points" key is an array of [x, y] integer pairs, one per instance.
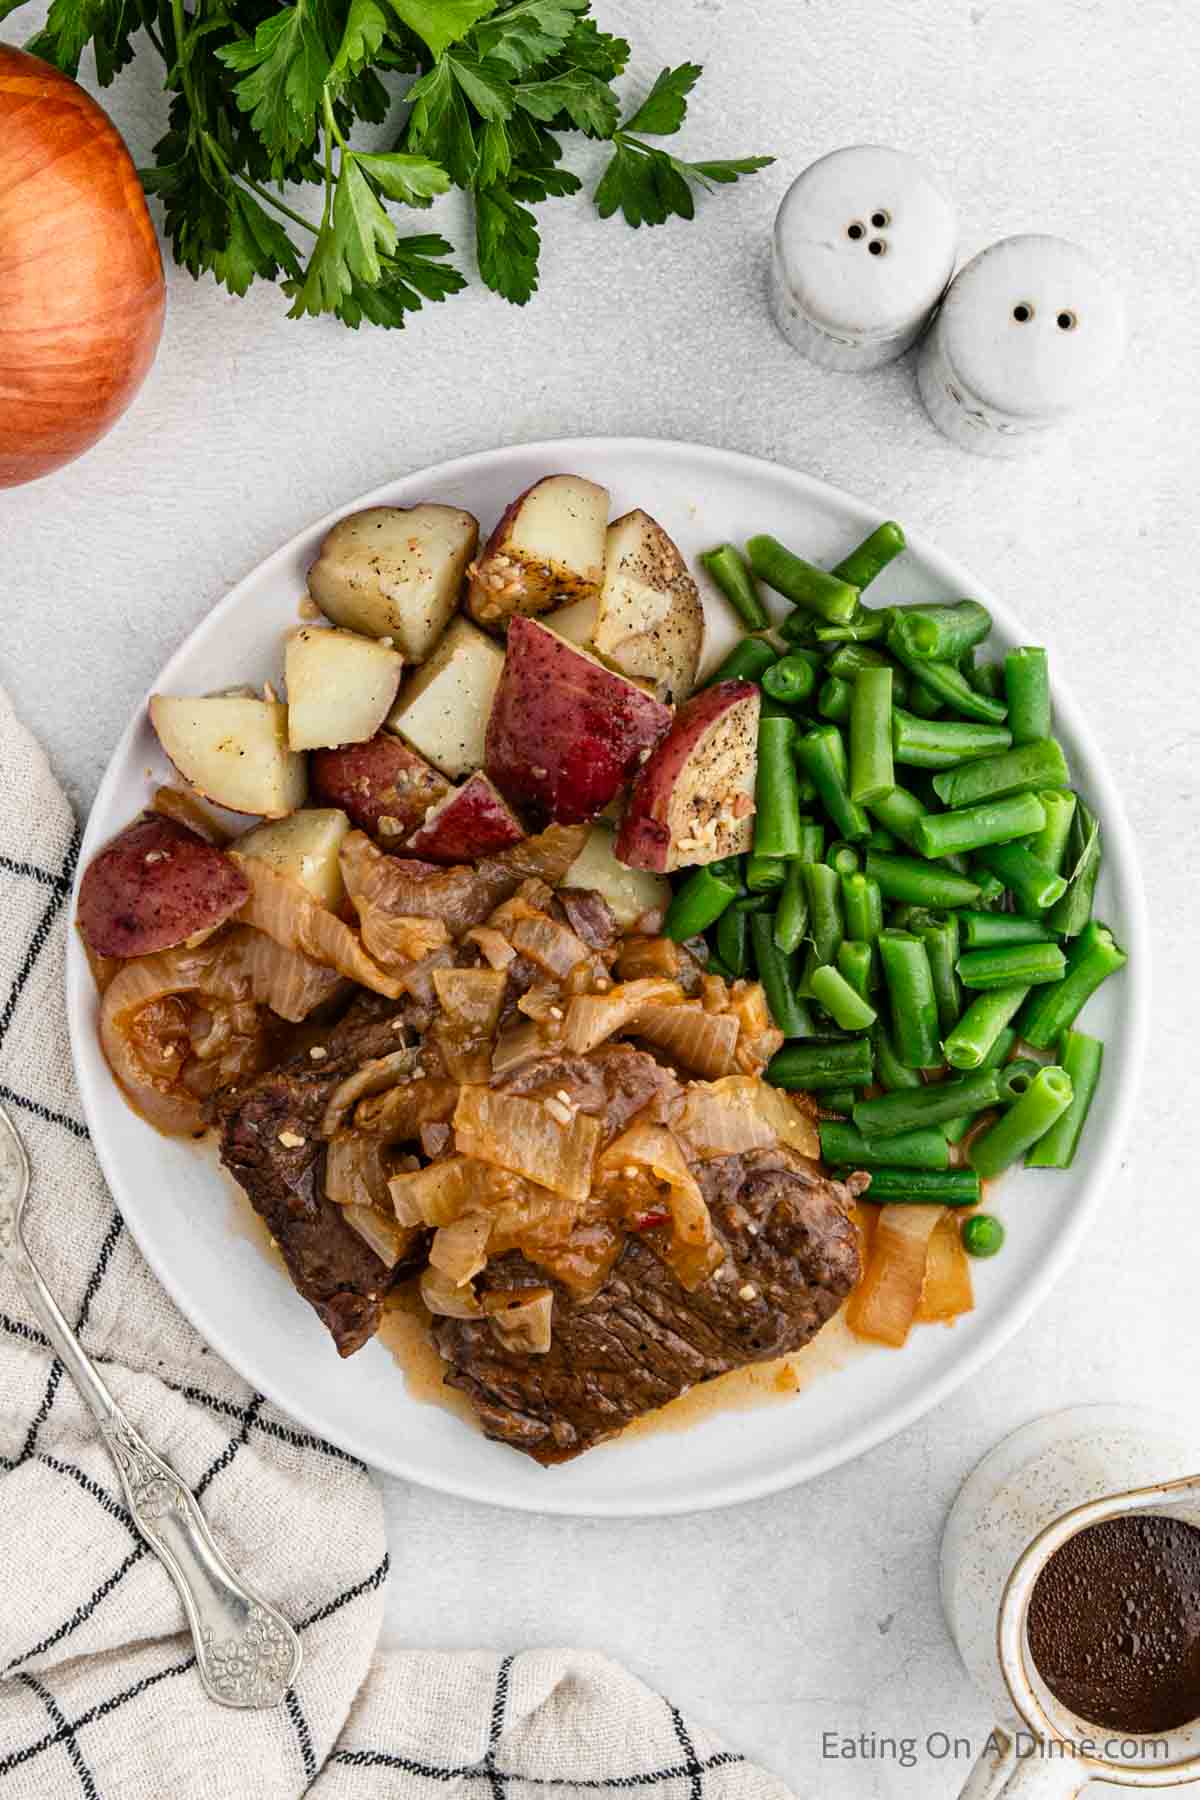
{"points": [[881, 219], [856, 231], [1023, 312], [1066, 321], [877, 247]]}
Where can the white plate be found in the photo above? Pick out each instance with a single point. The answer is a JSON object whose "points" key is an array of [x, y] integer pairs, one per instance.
{"points": [[179, 1206]]}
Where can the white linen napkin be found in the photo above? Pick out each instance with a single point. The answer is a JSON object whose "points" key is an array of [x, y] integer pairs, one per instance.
{"points": [[98, 1690]]}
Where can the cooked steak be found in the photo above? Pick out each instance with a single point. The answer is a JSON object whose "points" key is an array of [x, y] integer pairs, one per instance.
{"points": [[792, 1257], [590, 917], [271, 1144], [612, 1083]]}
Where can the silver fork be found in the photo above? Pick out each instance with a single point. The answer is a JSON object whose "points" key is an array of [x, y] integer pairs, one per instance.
{"points": [[247, 1653]]}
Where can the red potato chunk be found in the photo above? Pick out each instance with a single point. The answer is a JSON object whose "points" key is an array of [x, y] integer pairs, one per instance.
{"points": [[470, 822], [548, 547], [565, 733], [156, 885], [385, 788], [694, 800]]}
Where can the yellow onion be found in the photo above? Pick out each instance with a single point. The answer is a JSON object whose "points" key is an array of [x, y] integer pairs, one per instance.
{"points": [[81, 281]]}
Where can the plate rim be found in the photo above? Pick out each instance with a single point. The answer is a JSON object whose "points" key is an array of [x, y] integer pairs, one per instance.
{"points": [[897, 1416]]}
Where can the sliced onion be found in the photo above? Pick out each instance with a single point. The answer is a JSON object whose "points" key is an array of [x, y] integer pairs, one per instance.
{"points": [[176, 803], [703, 1042], [759, 1039], [947, 1292], [288, 913], [495, 946], [471, 998], [401, 938], [593, 1017], [398, 1113], [290, 983], [694, 1251], [522, 1318], [373, 1077], [516, 1045], [355, 1172], [459, 1250], [445, 1299], [384, 1237], [434, 1196], [643, 957], [551, 946], [526, 1137], [740, 1113], [143, 982], [884, 1304]]}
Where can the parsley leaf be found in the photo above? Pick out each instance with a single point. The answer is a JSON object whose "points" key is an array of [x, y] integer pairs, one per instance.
{"points": [[528, 33], [287, 64], [413, 180], [585, 99], [440, 124], [724, 173], [485, 85], [441, 23], [410, 276], [664, 109], [507, 245], [362, 38], [598, 51], [257, 245]]}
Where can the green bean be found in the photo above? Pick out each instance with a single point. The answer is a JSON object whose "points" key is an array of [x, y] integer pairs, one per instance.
{"points": [[1035, 886], [752, 903], [764, 874], [872, 556], [939, 934], [1071, 913], [948, 683], [826, 928], [843, 857], [790, 680], [919, 883], [872, 771], [701, 900], [864, 628], [1044, 1101], [848, 659], [862, 906], [935, 1102], [924, 1187], [922, 702], [956, 1129], [791, 915], [835, 699], [987, 930], [715, 966], [812, 842], [971, 827], [838, 1099], [844, 1006], [882, 840], [1082, 1057], [1050, 844], [942, 633], [890, 1072], [987, 678], [728, 569], [856, 963], [1011, 965], [778, 976], [822, 755], [811, 1067], [800, 582], [898, 813], [1027, 685], [845, 1146], [799, 630], [733, 939], [982, 1234], [1025, 769], [942, 743], [777, 804], [909, 981], [747, 661], [1093, 957]]}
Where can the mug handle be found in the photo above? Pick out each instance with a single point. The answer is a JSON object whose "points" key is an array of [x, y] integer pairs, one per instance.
{"points": [[1001, 1772]]}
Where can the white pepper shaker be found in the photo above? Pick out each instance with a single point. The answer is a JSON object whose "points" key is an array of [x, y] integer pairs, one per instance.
{"points": [[864, 246], [1027, 335]]}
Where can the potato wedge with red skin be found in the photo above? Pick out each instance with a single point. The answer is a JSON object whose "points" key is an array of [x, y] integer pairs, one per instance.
{"points": [[156, 885], [693, 802], [471, 821], [547, 548], [385, 788], [565, 733], [650, 621]]}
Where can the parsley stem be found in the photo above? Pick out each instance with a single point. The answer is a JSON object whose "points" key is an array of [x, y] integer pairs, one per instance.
{"points": [[279, 205], [330, 122]]}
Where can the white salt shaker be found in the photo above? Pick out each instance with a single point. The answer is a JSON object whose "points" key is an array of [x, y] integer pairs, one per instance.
{"points": [[1027, 335], [864, 246]]}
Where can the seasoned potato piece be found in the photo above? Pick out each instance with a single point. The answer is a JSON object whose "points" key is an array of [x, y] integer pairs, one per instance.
{"points": [[548, 546], [472, 821], [384, 787], [304, 847], [629, 892], [156, 885], [651, 621], [395, 571], [233, 750], [694, 800], [339, 686], [443, 707]]}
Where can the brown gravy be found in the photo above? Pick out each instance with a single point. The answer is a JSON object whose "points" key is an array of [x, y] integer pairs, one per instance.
{"points": [[1114, 1623]]}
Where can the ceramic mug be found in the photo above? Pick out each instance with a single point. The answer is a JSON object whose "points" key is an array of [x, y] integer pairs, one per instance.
{"points": [[1058, 1753]]}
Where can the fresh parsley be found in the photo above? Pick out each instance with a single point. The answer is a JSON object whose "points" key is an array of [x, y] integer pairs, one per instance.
{"points": [[265, 99]]}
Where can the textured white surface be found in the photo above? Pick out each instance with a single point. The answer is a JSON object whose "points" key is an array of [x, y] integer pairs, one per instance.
{"points": [[814, 1611]]}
